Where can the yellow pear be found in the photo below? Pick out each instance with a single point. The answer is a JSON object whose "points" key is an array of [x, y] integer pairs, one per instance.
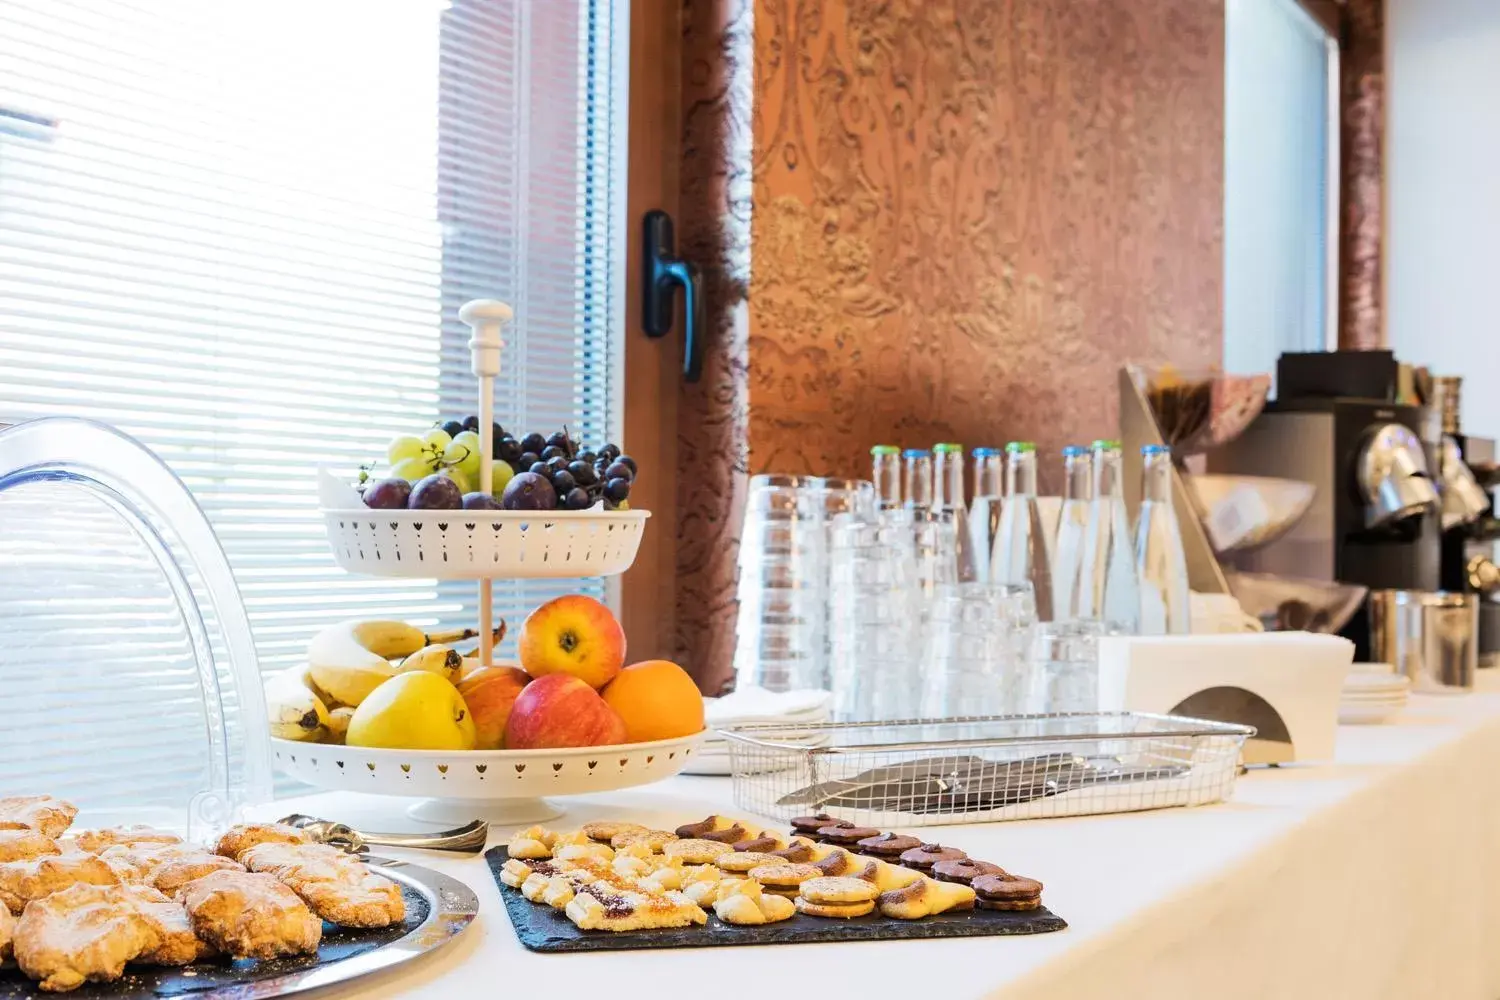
{"points": [[419, 710]]}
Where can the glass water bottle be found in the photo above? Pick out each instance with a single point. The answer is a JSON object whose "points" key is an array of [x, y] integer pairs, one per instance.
{"points": [[1160, 562], [948, 505], [1020, 554], [916, 481], [1111, 592], [886, 474], [984, 509], [1072, 530]]}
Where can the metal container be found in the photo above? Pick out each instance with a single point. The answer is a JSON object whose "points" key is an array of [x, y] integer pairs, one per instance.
{"points": [[1431, 636]]}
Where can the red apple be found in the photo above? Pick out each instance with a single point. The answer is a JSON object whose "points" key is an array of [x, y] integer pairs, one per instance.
{"points": [[573, 635], [490, 693], [561, 711]]}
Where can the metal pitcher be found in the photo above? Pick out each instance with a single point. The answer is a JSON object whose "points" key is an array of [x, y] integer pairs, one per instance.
{"points": [[1430, 636]]}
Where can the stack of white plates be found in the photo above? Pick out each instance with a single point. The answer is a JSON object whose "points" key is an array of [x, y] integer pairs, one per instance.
{"points": [[752, 707], [1373, 693]]}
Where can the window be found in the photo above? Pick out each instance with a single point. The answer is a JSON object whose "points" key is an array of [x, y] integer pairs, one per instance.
{"points": [[1280, 184], [241, 231]]}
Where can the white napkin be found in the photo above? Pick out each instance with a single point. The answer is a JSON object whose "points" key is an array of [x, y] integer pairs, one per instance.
{"points": [[757, 705]]}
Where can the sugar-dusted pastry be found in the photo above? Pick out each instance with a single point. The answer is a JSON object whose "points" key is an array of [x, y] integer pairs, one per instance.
{"points": [[1007, 892], [605, 831], [743, 861], [597, 907], [175, 943], [7, 933], [238, 839], [24, 881], [533, 842], [81, 933], [41, 813], [695, 852], [746, 904], [518, 870], [655, 839], [169, 877], [707, 893], [139, 862], [923, 898], [339, 888], [22, 845], [96, 841], [249, 915], [572, 852]]}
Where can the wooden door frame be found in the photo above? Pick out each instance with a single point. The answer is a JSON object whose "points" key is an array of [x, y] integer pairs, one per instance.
{"points": [[652, 376]]}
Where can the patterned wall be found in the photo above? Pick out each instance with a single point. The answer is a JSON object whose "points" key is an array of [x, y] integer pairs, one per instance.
{"points": [[1362, 176], [963, 215]]}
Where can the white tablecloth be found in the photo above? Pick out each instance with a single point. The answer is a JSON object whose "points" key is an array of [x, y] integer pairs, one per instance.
{"points": [[1374, 876]]}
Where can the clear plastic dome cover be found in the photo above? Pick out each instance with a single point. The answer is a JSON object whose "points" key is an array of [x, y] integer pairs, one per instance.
{"points": [[129, 679]]}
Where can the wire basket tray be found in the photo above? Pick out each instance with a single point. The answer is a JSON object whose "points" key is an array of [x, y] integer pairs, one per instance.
{"points": [[934, 772]]}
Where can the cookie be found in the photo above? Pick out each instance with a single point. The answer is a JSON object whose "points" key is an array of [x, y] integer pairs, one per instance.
{"points": [[924, 857], [820, 835], [606, 831], [924, 898], [743, 861], [887, 845], [798, 852], [841, 910], [964, 871], [696, 852], [745, 910], [842, 863], [764, 844], [845, 835], [808, 825], [1007, 892], [699, 830], [656, 839], [825, 889], [783, 876]]}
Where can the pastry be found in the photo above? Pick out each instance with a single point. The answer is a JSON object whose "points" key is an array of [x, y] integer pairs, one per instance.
{"points": [[964, 871], [95, 841], [923, 898], [140, 862], [572, 852], [845, 835], [41, 813], [24, 881], [783, 877], [249, 915], [637, 849], [713, 824], [517, 870], [605, 831], [655, 839], [7, 933], [836, 890], [338, 888], [742, 861], [887, 845], [841, 910], [695, 851], [22, 845], [924, 857], [889, 876], [238, 839], [809, 825], [763, 844], [533, 842], [746, 904], [82, 933], [799, 851], [597, 907], [1007, 892], [175, 942], [173, 874], [842, 863]]}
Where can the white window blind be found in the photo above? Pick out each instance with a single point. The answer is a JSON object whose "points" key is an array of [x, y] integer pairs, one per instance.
{"points": [[1280, 184], [241, 231]]}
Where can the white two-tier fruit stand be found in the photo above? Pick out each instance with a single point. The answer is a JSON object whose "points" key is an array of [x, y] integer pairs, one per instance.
{"points": [[504, 786]]}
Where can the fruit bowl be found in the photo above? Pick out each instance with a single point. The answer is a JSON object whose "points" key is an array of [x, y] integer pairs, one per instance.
{"points": [[502, 786], [477, 544]]}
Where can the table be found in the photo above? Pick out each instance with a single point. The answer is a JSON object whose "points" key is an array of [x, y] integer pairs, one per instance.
{"points": [[1377, 875]]}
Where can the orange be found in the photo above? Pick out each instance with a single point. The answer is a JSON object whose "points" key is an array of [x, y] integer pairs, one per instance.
{"points": [[657, 699]]}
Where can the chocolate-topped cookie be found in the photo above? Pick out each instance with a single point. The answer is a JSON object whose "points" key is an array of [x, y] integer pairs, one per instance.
{"points": [[1007, 892], [887, 845], [822, 832], [808, 825], [845, 835], [924, 857], [964, 872]]}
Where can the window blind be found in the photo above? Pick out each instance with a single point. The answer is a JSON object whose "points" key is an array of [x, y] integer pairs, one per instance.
{"points": [[241, 232]]}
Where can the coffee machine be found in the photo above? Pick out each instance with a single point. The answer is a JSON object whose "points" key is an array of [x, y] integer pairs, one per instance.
{"points": [[1374, 519]]}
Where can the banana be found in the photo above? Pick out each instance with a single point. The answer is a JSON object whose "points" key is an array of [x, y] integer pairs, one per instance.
{"points": [[363, 644], [437, 658], [338, 724], [350, 685], [294, 712]]}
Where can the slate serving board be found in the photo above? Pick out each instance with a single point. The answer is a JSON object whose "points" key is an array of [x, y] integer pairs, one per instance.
{"points": [[541, 928], [203, 978]]}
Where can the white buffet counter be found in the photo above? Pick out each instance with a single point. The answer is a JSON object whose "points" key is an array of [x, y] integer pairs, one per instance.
{"points": [[1375, 876]]}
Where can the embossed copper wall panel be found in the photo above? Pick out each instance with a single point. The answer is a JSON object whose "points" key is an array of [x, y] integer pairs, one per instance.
{"points": [[964, 214], [1362, 175]]}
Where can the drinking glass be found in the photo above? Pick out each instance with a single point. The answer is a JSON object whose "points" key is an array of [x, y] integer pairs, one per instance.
{"points": [[782, 590], [1064, 667], [975, 654], [872, 629]]}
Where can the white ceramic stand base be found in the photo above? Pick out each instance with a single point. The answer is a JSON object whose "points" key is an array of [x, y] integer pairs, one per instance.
{"points": [[500, 812]]}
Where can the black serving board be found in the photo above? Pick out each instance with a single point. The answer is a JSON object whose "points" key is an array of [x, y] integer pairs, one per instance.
{"points": [[541, 928], [142, 981]]}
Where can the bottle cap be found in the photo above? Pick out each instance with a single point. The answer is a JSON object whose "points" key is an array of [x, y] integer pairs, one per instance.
{"points": [[948, 448], [1107, 444], [885, 449], [1154, 449], [916, 453], [983, 452], [1018, 446], [1074, 451]]}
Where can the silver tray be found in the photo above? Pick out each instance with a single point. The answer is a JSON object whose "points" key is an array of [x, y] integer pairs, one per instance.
{"points": [[450, 906]]}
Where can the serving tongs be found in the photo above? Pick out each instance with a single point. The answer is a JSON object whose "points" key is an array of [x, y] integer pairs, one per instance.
{"points": [[971, 784], [467, 839]]}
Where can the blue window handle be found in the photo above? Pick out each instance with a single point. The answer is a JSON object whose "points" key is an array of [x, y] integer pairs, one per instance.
{"points": [[665, 273]]}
